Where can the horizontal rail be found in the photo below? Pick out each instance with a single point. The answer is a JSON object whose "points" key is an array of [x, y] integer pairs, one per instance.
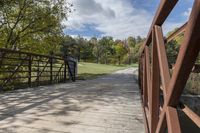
{"points": [[28, 53], [191, 114], [176, 33]]}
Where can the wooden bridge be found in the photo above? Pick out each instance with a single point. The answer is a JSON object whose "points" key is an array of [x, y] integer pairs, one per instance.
{"points": [[108, 104], [161, 86]]}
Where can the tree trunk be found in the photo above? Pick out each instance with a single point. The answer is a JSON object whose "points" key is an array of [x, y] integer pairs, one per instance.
{"points": [[79, 54], [119, 60], [106, 59], [97, 60], [129, 59]]}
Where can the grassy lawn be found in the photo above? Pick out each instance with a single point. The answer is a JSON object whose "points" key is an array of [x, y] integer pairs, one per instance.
{"points": [[92, 70]]}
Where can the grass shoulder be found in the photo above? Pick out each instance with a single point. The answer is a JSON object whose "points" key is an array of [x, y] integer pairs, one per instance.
{"points": [[93, 70]]}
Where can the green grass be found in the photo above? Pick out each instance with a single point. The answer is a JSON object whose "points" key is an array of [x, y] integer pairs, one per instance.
{"points": [[93, 70]]}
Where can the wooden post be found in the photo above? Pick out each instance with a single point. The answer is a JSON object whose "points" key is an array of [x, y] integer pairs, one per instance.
{"points": [[65, 70], [51, 69], [29, 70], [74, 71], [155, 87], [38, 70]]}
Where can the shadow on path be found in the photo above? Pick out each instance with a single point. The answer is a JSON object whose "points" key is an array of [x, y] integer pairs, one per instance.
{"points": [[107, 104]]}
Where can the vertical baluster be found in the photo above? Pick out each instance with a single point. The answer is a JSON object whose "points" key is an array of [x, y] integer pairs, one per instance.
{"points": [[51, 69], [144, 82], [65, 70], [74, 71], [38, 70], [154, 92], [148, 80], [29, 70]]}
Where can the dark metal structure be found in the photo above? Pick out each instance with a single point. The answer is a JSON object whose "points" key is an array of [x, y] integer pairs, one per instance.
{"points": [[161, 87], [23, 69]]}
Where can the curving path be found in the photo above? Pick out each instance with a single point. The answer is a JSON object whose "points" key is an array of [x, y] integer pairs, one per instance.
{"points": [[108, 104]]}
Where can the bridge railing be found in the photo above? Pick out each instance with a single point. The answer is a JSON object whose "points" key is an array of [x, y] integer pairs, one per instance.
{"points": [[22, 69], [161, 87]]}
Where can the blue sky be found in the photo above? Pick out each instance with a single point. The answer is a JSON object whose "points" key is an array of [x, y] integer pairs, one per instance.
{"points": [[120, 18]]}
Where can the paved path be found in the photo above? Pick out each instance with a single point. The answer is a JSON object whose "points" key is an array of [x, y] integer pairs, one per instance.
{"points": [[108, 104]]}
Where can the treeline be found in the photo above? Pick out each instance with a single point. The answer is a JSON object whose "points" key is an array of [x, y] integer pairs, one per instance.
{"points": [[37, 26], [105, 50]]}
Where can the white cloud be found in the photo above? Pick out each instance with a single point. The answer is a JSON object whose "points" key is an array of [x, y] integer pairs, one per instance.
{"points": [[85, 37], [170, 26], [117, 18], [187, 13]]}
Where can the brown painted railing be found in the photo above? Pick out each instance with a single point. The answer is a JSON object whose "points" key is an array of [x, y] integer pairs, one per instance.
{"points": [[23, 69], [161, 88]]}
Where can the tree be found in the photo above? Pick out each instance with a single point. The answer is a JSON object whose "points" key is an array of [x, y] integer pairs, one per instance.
{"points": [[86, 52], [97, 49], [135, 52], [80, 46], [172, 49], [131, 41], [69, 46], [139, 39], [120, 51], [27, 22], [106, 43]]}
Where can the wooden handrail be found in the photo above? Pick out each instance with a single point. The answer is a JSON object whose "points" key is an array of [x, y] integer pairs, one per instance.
{"points": [[161, 113], [179, 31]]}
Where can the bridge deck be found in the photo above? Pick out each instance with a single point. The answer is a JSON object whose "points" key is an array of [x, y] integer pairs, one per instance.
{"points": [[109, 104]]}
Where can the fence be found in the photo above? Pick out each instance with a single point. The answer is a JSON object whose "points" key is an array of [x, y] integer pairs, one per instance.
{"points": [[162, 87], [23, 69]]}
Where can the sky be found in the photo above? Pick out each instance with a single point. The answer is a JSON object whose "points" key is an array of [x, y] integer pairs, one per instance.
{"points": [[120, 18]]}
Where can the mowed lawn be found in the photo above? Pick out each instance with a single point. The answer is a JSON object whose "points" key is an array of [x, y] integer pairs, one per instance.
{"points": [[93, 70]]}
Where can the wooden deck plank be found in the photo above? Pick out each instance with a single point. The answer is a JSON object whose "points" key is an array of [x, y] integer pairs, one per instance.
{"points": [[108, 104]]}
